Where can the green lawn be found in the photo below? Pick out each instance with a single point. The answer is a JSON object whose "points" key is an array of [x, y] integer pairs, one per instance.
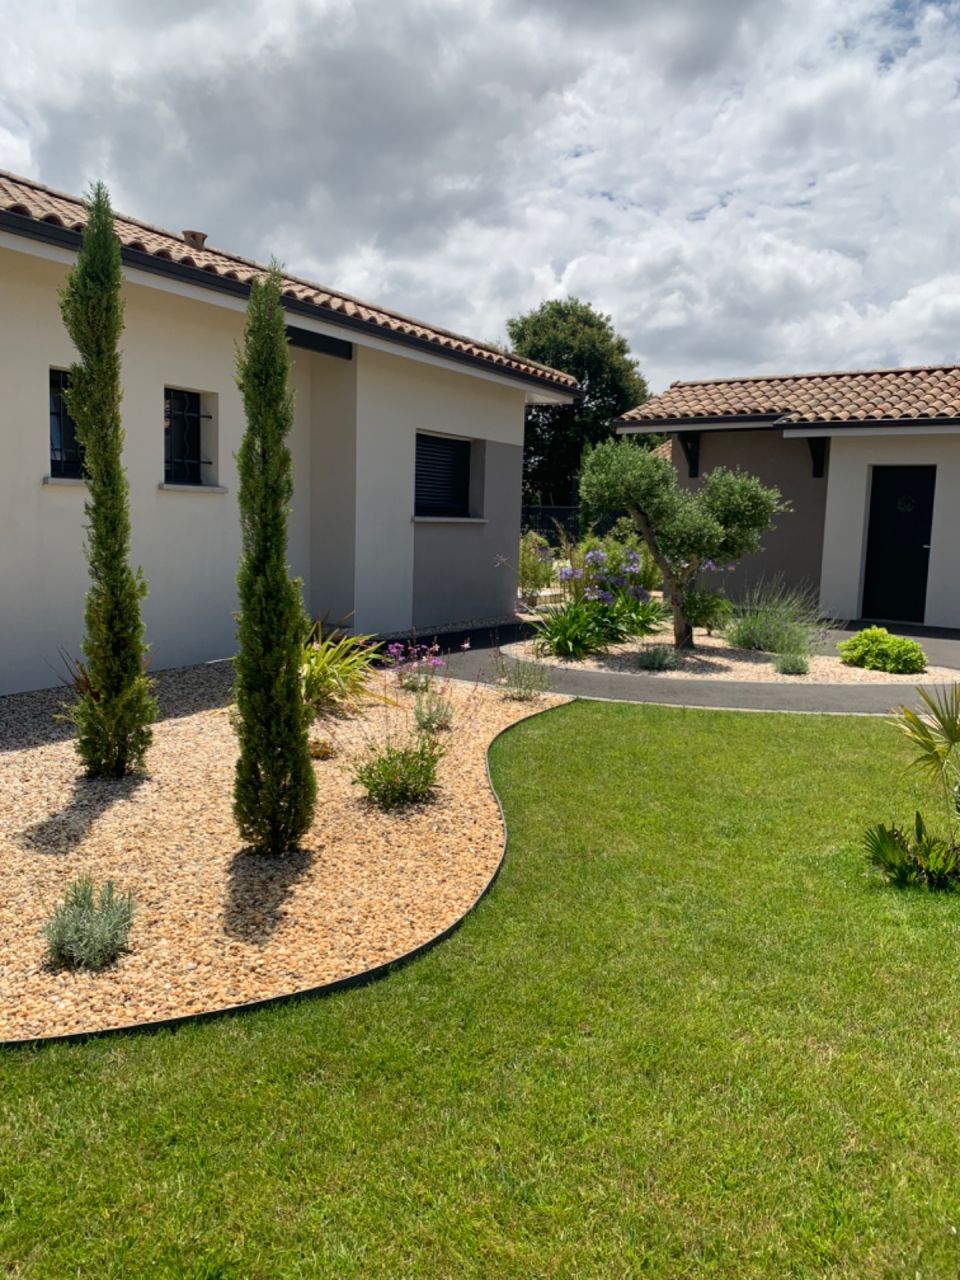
{"points": [[684, 1036]]}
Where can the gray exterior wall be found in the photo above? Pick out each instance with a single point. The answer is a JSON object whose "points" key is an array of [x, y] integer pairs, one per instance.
{"points": [[794, 549], [456, 575], [333, 485]]}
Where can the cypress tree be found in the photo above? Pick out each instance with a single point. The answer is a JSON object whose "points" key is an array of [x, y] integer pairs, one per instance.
{"points": [[275, 787], [116, 708]]}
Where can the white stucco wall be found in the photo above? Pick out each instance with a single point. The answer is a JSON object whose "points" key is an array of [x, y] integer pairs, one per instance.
{"points": [[396, 398], [188, 543], [352, 534], [845, 526]]}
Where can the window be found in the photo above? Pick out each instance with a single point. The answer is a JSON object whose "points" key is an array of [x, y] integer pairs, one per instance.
{"points": [[66, 452], [183, 437], [443, 476]]}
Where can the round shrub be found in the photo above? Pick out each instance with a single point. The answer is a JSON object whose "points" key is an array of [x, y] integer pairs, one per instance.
{"points": [[791, 664], [658, 657], [876, 649], [87, 931], [395, 776]]}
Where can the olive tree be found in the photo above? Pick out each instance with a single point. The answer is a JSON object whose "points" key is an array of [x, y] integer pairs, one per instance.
{"points": [[686, 530]]}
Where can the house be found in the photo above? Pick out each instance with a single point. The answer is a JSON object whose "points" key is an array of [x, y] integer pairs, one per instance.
{"points": [[870, 461], [407, 449]]}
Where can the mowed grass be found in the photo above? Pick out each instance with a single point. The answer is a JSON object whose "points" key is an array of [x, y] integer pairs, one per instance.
{"points": [[686, 1035]]}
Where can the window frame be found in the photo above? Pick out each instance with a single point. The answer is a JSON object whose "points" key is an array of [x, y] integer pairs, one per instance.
{"points": [[187, 469], [70, 464], [463, 505]]}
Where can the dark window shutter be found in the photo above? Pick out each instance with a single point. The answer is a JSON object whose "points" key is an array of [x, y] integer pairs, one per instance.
{"points": [[443, 477]]}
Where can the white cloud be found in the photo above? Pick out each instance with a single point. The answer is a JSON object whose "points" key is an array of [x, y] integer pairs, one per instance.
{"points": [[744, 185]]}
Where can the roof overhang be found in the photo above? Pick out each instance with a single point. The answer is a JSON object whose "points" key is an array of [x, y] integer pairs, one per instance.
{"points": [[539, 391], [796, 430]]}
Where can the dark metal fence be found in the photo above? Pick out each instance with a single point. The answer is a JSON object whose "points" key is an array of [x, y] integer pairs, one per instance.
{"points": [[544, 520]]}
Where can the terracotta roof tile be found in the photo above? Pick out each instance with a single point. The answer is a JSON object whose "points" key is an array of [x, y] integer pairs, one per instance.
{"points": [[868, 395], [42, 204]]}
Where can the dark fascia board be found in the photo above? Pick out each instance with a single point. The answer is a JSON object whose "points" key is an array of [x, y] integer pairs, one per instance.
{"points": [[66, 238], [665, 426], [777, 422]]}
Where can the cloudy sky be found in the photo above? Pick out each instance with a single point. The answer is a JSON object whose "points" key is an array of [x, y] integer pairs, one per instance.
{"points": [[746, 186]]}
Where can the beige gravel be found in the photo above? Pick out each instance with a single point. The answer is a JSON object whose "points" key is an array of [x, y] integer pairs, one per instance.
{"points": [[713, 659], [216, 926]]}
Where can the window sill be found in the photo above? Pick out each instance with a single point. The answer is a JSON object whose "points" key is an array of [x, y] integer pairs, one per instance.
{"points": [[192, 488], [450, 520], [67, 482]]}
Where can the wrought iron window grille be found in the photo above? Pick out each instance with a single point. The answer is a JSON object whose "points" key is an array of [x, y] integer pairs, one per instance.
{"points": [[183, 437], [66, 451]]}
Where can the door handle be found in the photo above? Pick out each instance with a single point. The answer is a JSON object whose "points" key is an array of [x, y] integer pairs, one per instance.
{"points": [[925, 547]]}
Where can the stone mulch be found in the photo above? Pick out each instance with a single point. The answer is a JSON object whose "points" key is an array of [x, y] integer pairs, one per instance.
{"points": [[713, 659], [216, 926]]}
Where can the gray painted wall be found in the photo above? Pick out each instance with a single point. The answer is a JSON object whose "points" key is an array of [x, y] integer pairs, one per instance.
{"points": [[794, 548], [456, 577], [333, 485]]}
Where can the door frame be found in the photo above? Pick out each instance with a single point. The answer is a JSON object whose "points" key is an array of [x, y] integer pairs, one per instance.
{"points": [[865, 540]]}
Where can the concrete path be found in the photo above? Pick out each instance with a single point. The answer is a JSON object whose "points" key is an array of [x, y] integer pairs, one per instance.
{"points": [[479, 663]]}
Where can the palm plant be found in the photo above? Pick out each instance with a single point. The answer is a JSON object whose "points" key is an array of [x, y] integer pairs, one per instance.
{"points": [[934, 733]]}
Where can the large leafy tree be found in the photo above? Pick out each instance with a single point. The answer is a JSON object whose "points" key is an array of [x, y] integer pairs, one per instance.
{"points": [[275, 787], [116, 708], [687, 530], [570, 335]]}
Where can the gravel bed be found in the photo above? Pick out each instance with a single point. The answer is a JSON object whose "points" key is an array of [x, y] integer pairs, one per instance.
{"points": [[714, 659], [216, 925]]}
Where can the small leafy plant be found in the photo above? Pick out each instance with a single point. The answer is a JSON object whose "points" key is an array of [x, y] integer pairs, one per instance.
{"points": [[397, 775], [658, 657], [521, 680], [913, 859], [433, 711], [574, 630], [876, 649], [87, 931], [335, 672], [791, 664]]}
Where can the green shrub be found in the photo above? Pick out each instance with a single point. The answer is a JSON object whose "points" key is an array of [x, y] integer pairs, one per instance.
{"points": [[86, 932], [921, 859], [395, 776], [775, 618], [658, 657], [877, 650], [535, 569], [521, 680], [707, 609], [335, 672], [573, 630], [791, 664], [640, 617], [433, 711]]}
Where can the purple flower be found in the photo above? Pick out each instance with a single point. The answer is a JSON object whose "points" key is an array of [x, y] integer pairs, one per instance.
{"points": [[595, 593], [711, 565], [567, 572], [435, 662], [595, 558]]}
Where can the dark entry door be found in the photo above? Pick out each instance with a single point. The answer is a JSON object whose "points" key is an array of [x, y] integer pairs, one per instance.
{"points": [[898, 543]]}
